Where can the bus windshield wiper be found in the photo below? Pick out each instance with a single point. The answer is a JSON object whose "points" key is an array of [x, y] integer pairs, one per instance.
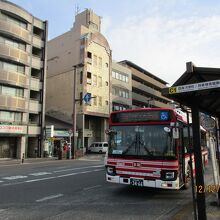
{"points": [[135, 143], [128, 148], [147, 150]]}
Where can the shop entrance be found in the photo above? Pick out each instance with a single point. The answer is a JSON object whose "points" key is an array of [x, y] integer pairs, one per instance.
{"points": [[8, 147]]}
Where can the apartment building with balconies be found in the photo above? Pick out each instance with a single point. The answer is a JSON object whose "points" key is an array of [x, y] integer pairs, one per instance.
{"points": [[146, 88], [79, 63], [121, 87], [23, 40]]}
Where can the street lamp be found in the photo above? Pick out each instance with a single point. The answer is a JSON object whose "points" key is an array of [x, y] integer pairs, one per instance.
{"points": [[74, 107]]}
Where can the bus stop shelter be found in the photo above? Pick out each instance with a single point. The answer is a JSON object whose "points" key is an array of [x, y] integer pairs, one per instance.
{"points": [[198, 89]]}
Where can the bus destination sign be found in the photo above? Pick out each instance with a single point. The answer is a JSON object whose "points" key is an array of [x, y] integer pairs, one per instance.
{"points": [[140, 116]]}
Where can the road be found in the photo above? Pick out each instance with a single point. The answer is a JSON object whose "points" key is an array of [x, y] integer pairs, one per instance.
{"points": [[76, 189]]}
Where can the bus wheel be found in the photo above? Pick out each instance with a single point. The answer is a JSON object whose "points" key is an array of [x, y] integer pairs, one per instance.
{"points": [[188, 179]]}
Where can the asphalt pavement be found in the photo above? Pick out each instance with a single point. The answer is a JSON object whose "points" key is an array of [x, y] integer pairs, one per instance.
{"points": [[186, 212]]}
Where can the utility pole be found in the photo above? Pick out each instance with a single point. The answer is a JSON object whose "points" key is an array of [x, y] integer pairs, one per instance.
{"points": [[74, 107]]}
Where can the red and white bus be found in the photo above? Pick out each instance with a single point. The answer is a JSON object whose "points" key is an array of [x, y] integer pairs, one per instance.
{"points": [[148, 147]]}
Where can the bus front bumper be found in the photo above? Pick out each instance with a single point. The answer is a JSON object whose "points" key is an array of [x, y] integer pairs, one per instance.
{"points": [[157, 183]]}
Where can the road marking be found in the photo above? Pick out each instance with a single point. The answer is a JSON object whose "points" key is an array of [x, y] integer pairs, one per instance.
{"points": [[83, 172], [79, 168], [2, 210], [14, 177], [53, 177], [40, 174], [1, 181], [49, 197], [36, 180], [12, 184], [69, 174], [92, 187], [62, 167], [89, 160]]}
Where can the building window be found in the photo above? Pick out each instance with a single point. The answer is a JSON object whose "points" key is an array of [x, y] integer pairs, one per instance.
{"points": [[120, 92], [95, 60], [113, 74], [120, 76], [89, 55], [119, 107], [116, 75], [106, 64], [94, 80], [87, 124], [106, 83], [124, 93], [12, 43], [113, 91], [106, 102], [89, 76], [81, 77], [5, 90], [100, 62], [81, 98], [10, 116], [126, 79], [12, 67], [13, 20], [95, 100], [100, 101], [99, 81]]}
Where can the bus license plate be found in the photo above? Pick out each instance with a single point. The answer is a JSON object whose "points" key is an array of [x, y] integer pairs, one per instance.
{"points": [[136, 182]]}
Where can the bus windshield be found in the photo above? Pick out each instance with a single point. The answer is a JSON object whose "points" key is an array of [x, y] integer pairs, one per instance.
{"points": [[150, 141]]}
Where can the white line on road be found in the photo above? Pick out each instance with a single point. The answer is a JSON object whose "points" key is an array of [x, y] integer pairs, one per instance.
{"points": [[40, 173], [12, 184], [92, 187], [69, 174], [83, 172], [49, 197], [14, 177], [79, 168], [1, 181], [35, 180], [53, 177]]}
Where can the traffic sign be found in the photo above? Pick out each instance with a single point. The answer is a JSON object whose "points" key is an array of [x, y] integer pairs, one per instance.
{"points": [[87, 97], [164, 116], [195, 87]]}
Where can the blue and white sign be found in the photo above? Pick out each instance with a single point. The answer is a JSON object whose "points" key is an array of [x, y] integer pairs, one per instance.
{"points": [[164, 116], [87, 97]]}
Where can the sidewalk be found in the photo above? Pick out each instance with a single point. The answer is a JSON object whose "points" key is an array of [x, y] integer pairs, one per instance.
{"points": [[212, 210], [88, 157], [8, 161]]}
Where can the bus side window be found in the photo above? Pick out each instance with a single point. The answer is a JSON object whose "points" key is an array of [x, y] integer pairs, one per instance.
{"points": [[185, 138]]}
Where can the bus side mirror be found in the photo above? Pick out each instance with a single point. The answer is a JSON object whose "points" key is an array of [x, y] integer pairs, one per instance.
{"points": [[167, 129], [175, 133]]}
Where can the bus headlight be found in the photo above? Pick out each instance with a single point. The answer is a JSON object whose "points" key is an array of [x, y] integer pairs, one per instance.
{"points": [[110, 170], [169, 175]]}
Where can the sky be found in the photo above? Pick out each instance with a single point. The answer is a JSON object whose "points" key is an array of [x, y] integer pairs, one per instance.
{"points": [[158, 35]]}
